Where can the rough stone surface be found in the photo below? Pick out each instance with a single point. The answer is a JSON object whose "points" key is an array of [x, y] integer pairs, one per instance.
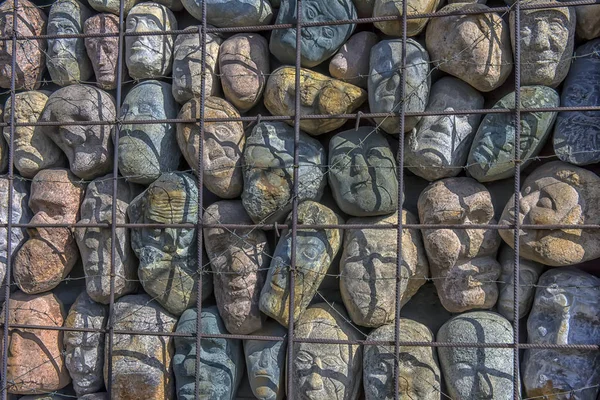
{"points": [[231, 13], [149, 56], [112, 6], [384, 82], [362, 173], [576, 133], [187, 66], [103, 51], [223, 145], [351, 63], [31, 53], [221, 360], [3, 148], [557, 193], [492, 153], [477, 373], [414, 26], [49, 254], [95, 243], [474, 48], [67, 60], [168, 256], [318, 43], [89, 148], [418, 368], [95, 396], [565, 311], [147, 150], [368, 269], [439, 145], [320, 95], [34, 150], [588, 21], [315, 251], [244, 66], [463, 261], [84, 356], [239, 259], [327, 371], [265, 362], [268, 171], [35, 360], [141, 363], [364, 8]]}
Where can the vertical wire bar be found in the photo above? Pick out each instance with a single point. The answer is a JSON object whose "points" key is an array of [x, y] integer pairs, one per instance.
{"points": [[292, 271], [200, 180], [9, 204]]}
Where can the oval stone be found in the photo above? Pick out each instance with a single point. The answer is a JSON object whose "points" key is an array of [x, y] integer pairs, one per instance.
{"points": [[351, 63], [414, 26], [588, 21], [231, 13]]}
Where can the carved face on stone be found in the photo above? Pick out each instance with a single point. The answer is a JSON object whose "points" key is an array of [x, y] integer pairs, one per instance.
{"points": [[103, 51]]}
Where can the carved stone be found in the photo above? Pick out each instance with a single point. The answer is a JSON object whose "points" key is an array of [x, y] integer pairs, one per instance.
{"points": [[414, 26], [231, 13], [103, 51]]}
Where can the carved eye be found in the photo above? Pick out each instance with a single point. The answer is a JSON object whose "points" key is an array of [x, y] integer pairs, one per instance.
{"points": [[382, 367], [311, 253], [311, 13], [546, 202], [328, 32]]}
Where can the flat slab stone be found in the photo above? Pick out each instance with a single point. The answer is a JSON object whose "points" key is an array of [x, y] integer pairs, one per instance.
{"points": [[414, 26], [231, 13]]}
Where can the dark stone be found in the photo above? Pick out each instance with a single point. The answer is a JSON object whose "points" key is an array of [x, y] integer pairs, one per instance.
{"points": [[231, 13]]}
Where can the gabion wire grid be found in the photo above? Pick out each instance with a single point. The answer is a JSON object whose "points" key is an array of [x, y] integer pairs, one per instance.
{"points": [[202, 30]]}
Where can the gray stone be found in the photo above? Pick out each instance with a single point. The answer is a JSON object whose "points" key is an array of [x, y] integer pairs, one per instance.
{"points": [[244, 66], [384, 82], [149, 56], [67, 60], [3, 147], [239, 260], [351, 63], [231, 13], [221, 360], [368, 269], [265, 361], [576, 133], [565, 311], [588, 21], [439, 145], [362, 173], [414, 26], [482, 372], [104, 51], [187, 66], [268, 171], [95, 396], [418, 367], [529, 273], [364, 8], [141, 364], [315, 251], [84, 356], [147, 150], [95, 243], [112, 6], [463, 261], [492, 154], [318, 43], [88, 148]]}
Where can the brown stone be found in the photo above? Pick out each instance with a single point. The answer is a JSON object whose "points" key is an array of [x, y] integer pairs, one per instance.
{"points": [[103, 51], [351, 63], [414, 26]]}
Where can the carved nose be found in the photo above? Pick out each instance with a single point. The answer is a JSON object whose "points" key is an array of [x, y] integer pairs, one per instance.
{"points": [[315, 382]]}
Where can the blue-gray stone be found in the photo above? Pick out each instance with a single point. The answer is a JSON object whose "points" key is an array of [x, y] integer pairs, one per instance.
{"points": [[318, 43], [231, 13], [221, 360]]}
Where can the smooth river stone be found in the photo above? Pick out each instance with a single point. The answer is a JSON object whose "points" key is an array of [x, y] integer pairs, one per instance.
{"points": [[588, 21], [265, 362], [351, 63], [320, 95], [49, 254], [34, 150], [89, 148], [104, 51], [84, 356], [414, 26], [221, 360], [439, 145], [576, 133], [222, 147], [231, 13], [268, 171], [36, 363], [239, 260], [565, 311], [315, 251], [187, 66], [112, 6], [244, 67], [384, 82], [557, 193], [95, 243], [147, 150], [492, 154], [362, 173], [141, 364], [475, 48], [31, 53], [95, 396], [419, 373], [529, 273], [364, 8], [328, 371], [368, 269]]}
